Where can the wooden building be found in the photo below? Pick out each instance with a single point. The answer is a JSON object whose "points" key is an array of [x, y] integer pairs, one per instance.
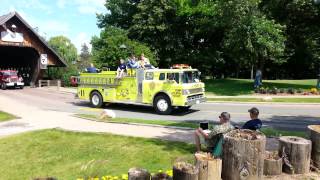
{"points": [[22, 49]]}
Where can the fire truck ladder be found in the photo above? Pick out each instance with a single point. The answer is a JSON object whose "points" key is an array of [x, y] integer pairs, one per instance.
{"points": [[88, 81]]}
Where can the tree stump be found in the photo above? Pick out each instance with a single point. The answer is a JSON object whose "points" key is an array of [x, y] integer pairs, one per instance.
{"points": [[138, 174], [161, 176], [298, 153], [272, 164], [185, 171], [243, 155], [315, 138], [209, 168]]}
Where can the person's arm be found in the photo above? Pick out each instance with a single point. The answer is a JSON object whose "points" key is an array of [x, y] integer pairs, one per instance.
{"points": [[205, 135]]}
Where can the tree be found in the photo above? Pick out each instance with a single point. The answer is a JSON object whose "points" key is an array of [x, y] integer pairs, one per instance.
{"points": [[303, 31], [120, 13], [67, 51], [114, 44], [84, 57]]}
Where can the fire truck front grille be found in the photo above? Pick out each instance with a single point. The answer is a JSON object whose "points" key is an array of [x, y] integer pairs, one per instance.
{"points": [[194, 91]]}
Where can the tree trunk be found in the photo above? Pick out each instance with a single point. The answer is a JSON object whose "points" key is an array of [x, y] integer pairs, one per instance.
{"points": [[251, 75], [138, 174], [209, 168], [298, 153], [272, 164], [315, 138], [185, 171], [243, 152]]}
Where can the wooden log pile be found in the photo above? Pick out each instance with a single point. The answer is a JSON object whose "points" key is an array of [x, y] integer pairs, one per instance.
{"points": [[209, 168], [185, 171], [138, 174], [296, 152], [243, 155], [272, 164], [315, 138]]}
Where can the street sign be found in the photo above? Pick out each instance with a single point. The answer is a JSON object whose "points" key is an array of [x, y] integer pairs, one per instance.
{"points": [[43, 61]]}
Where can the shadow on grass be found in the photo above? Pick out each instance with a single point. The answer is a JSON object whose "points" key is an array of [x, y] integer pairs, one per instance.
{"points": [[233, 87]]}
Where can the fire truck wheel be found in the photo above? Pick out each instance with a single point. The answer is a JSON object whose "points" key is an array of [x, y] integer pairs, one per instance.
{"points": [[3, 86], [162, 104], [21, 87], [96, 99]]}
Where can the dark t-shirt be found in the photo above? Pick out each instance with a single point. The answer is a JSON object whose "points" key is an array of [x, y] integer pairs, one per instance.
{"points": [[253, 124], [92, 70], [122, 67]]}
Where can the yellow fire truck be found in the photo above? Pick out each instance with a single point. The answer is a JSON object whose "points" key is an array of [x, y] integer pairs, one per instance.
{"points": [[163, 89]]}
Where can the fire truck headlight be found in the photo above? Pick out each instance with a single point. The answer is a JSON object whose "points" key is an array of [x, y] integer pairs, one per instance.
{"points": [[185, 92]]}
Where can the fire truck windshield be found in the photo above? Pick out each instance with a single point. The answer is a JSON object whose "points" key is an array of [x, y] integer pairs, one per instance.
{"points": [[190, 77]]}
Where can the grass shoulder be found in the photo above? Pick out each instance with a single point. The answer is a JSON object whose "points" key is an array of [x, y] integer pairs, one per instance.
{"points": [[269, 132], [6, 116], [275, 100], [234, 87], [75, 154]]}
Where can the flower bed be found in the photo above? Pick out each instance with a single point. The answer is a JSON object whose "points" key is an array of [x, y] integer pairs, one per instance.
{"points": [[123, 176], [286, 91]]}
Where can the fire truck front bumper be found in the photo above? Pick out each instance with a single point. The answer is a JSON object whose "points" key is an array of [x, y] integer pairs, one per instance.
{"points": [[195, 99]]}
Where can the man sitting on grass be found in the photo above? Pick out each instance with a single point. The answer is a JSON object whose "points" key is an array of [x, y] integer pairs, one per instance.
{"points": [[255, 123], [211, 137]]}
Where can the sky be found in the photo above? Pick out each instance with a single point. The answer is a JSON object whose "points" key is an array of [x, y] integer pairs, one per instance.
{"points": [[75, 19]]}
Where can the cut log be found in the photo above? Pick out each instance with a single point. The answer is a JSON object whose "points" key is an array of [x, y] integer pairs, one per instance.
{"points": [[161, 176], [272, 164], [209, 168], [185, 171], [243, 155], [315, 138], [138, 174], [298, 153]]}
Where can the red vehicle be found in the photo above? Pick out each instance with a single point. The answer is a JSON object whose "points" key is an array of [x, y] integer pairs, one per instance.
{"points": [[10, 78]]}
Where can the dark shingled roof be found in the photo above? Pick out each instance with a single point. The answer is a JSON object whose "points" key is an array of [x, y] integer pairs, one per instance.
{"points": [[7, 17]]}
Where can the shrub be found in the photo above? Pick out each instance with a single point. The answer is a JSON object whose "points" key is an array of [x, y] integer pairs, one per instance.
{"points": [[282, 90], [291, 91], [314, 91]]}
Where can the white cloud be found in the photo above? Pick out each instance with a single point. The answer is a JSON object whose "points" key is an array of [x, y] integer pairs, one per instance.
{"points": [[83, 6], [80, 39]]}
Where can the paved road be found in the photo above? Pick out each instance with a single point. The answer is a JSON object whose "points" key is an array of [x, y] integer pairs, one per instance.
{"points": [[281, 116]]}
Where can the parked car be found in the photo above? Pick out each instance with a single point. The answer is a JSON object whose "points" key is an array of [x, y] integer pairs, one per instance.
{"points": [[10, 78]]}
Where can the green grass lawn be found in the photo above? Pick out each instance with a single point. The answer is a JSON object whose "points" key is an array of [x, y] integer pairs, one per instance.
{"points": [[64, 154], [267, 131], [282, 100], [6, 117], [233, 87], [142, 121]]}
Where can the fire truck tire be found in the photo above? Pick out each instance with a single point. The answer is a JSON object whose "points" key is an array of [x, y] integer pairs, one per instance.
{"points": [[162, 104], [21, 87], [3, 86], [96, 99]]}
